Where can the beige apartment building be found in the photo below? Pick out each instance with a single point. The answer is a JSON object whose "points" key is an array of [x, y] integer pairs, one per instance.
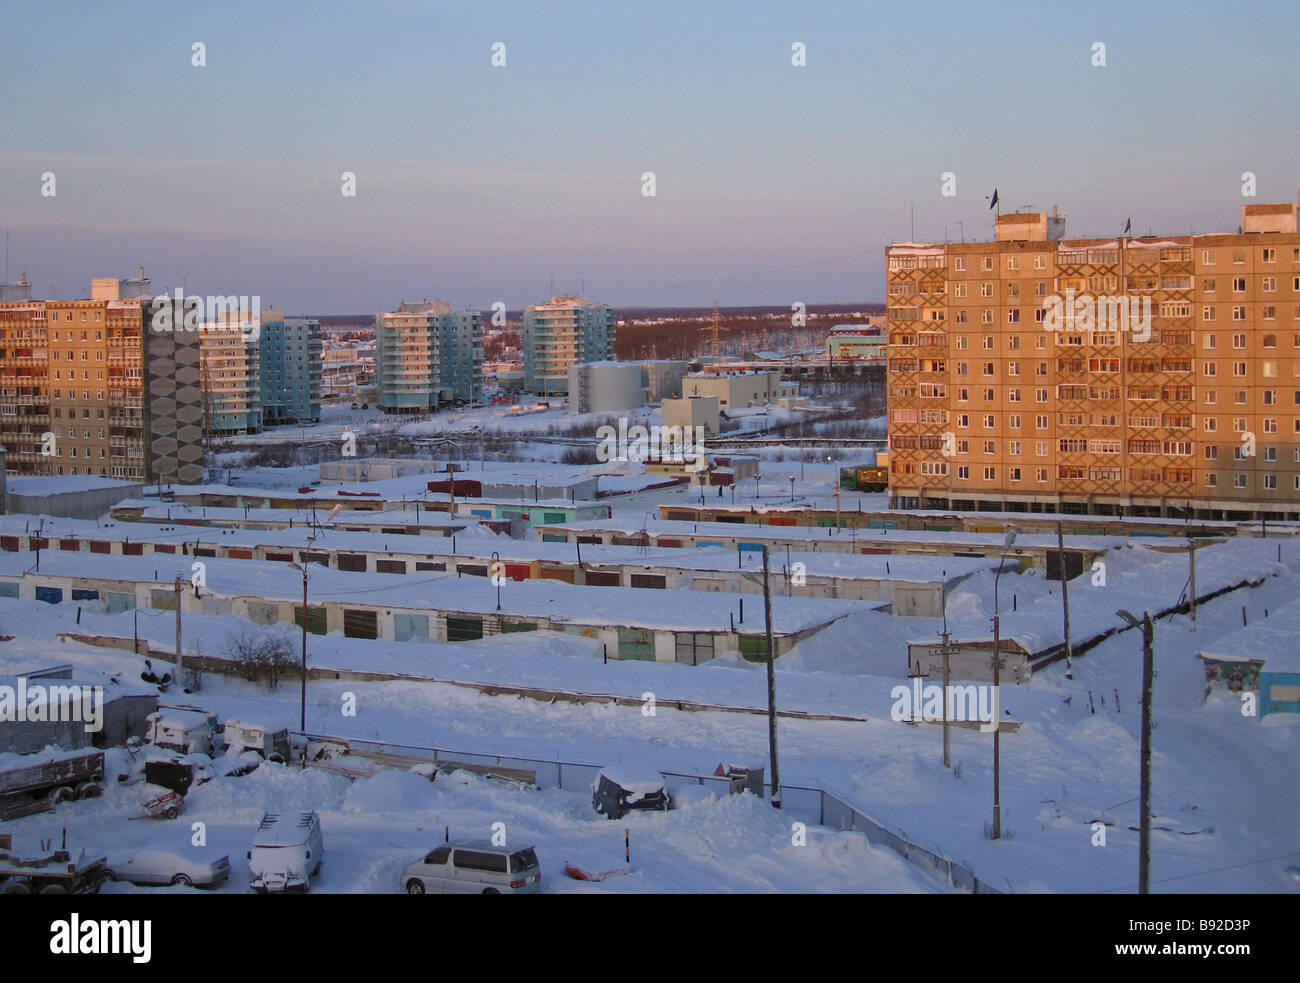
{"points": [[87, 388], [1129, 376]]}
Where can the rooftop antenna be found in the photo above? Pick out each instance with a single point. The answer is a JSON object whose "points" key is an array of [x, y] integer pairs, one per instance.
{"points": [[6, 255]]}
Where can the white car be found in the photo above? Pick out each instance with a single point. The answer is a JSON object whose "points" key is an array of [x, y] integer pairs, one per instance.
{"points": [[170, 867]]}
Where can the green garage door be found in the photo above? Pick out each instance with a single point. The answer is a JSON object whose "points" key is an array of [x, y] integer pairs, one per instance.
{"points": [[464, 629], [636, 643], [316, 620]]}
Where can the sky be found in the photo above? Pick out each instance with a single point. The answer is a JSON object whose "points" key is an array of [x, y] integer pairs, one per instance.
{"points": [[774, 183]]}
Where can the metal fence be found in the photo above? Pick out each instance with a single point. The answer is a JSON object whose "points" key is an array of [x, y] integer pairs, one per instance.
{"points": [[811, 803]]}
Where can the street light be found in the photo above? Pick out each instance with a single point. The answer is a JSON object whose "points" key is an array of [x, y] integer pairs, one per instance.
{"points": [[997, 658]]}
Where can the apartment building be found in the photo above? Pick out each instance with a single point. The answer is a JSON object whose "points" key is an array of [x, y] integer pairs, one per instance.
{"points": [[426, 355], [562, 333], [289, 351], [1135, 376], [88, 387], [232, 377]]}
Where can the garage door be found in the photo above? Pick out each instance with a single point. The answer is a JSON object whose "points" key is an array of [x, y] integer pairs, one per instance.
{"points": [[408, 626], [50, 595], [355, 563], [601, 579], [464, 629], [694, 647], [119, 601], [360, 624], [636, 643], [655, 580], [316, 620]]}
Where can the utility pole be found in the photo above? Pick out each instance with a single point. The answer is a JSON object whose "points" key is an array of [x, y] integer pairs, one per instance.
{"points": [[1191, 559], [180, 655], [1144, 823], [771, 684], [1065, 600], [451, 482], [944, 650], [997, 703], [302, 718]]}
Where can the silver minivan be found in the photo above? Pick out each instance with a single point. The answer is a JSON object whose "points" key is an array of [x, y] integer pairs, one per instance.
{"points": [[474, 867]]}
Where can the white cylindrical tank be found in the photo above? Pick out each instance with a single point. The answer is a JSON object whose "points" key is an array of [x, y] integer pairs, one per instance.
{"points": [[604, 387]]}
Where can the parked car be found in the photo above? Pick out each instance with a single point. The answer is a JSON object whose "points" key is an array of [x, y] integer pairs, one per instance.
{"points": [[617, 789], [474, 867], [155, 866], [287, 851]]}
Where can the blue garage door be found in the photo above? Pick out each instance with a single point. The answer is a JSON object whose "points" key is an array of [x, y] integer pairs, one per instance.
{"points": [[50, 595]]}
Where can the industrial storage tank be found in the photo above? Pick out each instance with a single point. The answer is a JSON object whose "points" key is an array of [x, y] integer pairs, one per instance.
{"points": [[662, 379], [605, 387]]}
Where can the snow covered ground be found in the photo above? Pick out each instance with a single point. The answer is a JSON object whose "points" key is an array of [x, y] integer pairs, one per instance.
{"points": [[1224, 785]]}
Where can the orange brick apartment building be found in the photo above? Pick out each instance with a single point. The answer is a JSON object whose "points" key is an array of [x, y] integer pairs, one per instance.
{"points": [[1023, 375]]}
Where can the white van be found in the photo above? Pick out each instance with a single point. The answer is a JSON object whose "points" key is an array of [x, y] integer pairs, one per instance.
{"points": [[474, 867], [287, 851]]}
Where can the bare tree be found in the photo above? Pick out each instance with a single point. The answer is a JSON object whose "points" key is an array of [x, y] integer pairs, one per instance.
{"points": [[261, 656]]}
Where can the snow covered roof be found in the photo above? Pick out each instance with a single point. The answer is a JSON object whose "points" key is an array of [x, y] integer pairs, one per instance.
{"points": [[1272, 640], [628, 607], [68, 483], [755, 532], [921, 569]]}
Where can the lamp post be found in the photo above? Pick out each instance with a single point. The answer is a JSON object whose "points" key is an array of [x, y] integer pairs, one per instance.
{"points": [[997, 703]]}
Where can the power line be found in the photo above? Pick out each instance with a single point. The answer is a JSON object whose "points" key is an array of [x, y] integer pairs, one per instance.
{"points": [[1212, 870]]}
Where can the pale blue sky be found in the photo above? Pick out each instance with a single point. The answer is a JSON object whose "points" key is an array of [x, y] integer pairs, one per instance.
{"points": [[478, 184]]}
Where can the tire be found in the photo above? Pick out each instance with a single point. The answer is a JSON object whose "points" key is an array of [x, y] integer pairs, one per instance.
{"points": [[89, 790], [54, 889], [18, 888], [61, 794], [183, 880], [414, 886], [172, 812], [491, 890], [110, 876]]}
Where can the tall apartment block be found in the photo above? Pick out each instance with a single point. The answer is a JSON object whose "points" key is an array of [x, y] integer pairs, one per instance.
{"points": [[289, 352], [426, 355], [562, 333], [1025, 374], [232, 375], [87, 387]]}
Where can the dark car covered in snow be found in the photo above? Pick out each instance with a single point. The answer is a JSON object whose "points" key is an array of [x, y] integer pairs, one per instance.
{"points": [[617, 789]]}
